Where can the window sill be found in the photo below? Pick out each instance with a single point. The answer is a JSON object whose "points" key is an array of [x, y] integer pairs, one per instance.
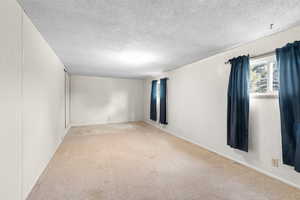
{"points": [[264, 95]]}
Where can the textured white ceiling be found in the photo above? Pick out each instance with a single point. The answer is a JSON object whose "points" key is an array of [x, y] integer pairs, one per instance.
{"points": [[138, 38]]}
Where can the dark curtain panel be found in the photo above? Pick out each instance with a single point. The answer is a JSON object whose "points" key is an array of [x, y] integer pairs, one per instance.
{"points": [[238, 104], [163, 101], [153, 103], [288, 61]]}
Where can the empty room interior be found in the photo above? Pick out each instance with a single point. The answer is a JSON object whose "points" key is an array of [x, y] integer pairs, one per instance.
{"points": [[150, 100]]}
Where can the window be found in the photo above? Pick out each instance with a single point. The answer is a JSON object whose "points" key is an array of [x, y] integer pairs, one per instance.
{"points": [[264, 77], [158, 92], [158, 97]]}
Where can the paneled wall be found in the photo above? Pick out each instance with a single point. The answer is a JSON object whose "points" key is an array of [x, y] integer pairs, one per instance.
{"points": [[43, 86], [32, 102], [10, 99]]}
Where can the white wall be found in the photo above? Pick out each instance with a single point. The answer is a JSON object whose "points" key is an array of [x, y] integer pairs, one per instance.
{"points": [[43, 104], [96, 100], [197, 108], [10, 96], [32, 102], [67, 100]]}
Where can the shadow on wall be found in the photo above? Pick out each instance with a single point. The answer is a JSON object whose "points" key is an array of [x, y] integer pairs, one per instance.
{"points": [[264, 132], [131, 103], [111, 104]]}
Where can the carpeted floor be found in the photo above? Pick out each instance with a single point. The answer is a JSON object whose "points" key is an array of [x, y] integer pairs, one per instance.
{"points": [[135, 161]]}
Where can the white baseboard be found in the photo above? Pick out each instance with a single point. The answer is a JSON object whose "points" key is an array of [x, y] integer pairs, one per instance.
{"points": [[85, 124], [101, 123], [225, 156], [67, 129]]}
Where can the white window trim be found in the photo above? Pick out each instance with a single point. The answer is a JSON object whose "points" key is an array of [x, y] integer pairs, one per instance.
{"points": [[271, 95]]}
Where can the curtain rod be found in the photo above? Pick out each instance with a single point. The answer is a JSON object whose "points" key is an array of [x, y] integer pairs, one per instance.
{"points": [[259, 56]]}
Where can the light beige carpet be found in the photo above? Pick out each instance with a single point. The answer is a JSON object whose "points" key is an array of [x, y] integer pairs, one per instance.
{"points": [[135, 161]]}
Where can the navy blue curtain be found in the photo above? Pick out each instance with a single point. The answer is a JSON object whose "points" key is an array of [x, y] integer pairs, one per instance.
{"points": [[288, 61], [238, 104], [153, 103], [163, 101]]}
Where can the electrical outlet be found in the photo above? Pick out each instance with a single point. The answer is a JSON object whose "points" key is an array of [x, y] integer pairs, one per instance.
{"points": [[275, 162]]}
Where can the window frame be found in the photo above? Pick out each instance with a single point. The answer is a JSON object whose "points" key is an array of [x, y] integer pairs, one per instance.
{"points": [[270, 92], [158, 98]]}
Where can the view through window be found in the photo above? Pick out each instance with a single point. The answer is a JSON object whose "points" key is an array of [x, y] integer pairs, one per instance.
{"points": [[264, 76]]}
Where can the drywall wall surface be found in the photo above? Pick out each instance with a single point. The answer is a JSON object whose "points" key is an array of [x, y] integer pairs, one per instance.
{"points": [[67, 100], [10, 99], [43, 104], [197, 108], [97, 100]]}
